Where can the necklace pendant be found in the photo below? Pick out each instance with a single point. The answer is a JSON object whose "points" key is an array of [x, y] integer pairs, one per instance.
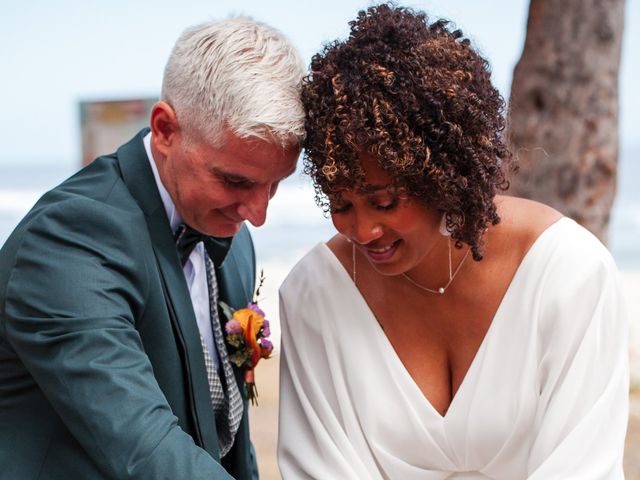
{"points": [[441, 290]]}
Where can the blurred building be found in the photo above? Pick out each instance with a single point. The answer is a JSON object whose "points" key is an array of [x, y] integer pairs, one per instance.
{"points": [[107, 124]]}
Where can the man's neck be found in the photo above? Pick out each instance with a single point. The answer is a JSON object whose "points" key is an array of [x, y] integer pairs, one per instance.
{"points": [[175, 220]]}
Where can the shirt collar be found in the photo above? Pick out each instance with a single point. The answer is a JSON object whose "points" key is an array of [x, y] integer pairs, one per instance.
{"points": [[175, 220]]}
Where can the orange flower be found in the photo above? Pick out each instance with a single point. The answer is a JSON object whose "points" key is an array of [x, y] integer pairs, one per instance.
{"points": [[251, 323]]}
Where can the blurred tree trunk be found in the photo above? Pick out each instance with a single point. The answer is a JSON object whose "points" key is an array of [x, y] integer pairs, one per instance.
{"points": [[563, 124]]}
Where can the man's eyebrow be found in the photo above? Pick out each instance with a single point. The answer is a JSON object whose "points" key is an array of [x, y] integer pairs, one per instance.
{"points": [[234, 176], [242, 178]]}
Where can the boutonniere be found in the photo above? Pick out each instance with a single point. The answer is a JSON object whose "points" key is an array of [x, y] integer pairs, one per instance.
{"points": [[247, 334]]}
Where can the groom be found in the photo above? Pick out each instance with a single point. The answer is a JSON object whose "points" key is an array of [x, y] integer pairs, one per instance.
{"points": [[112, 358]]}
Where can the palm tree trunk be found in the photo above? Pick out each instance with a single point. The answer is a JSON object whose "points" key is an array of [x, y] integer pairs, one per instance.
{"points": [[563, 124]]}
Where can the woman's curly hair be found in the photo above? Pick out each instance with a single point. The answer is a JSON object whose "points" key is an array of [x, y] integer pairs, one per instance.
{"points": [[419, 98]]}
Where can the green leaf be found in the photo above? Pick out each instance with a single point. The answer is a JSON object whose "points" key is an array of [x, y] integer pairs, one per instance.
{"points": [[234, 340], [227, 310], [239, 358]]}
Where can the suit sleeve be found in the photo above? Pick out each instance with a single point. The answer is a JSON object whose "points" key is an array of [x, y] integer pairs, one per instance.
{"points": [[78, 284]]}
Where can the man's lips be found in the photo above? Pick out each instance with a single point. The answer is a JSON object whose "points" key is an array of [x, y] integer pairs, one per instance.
{"points": [[230, 218]]}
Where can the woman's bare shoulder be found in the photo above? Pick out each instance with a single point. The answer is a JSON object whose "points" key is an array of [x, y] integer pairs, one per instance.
{"points": [[525, 213], [341, 248], [524, 220]]}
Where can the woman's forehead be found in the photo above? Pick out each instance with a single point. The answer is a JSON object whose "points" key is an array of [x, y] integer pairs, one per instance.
{"points": [[364, 189], [374, 174]]}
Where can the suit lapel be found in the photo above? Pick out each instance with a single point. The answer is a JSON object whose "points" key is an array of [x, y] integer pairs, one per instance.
{"points": [[139, 178], [236, 281]]}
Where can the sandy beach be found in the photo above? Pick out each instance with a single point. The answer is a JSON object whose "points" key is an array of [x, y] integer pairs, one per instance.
{"points": [[631, 285], [264, 417]]}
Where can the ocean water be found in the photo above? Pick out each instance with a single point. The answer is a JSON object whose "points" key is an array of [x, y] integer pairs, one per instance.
{"points": [[295, 223]]}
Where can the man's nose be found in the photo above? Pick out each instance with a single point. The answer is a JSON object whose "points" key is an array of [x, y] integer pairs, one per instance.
{"points": [[254, 207]]}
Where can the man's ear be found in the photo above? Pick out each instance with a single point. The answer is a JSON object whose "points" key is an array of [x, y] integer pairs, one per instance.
{"points": [[164, 127]]}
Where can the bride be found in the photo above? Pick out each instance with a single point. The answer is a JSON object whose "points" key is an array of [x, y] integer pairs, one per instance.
{"points": [[447, 331]]}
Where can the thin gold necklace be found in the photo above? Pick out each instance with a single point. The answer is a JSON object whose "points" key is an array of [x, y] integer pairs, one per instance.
{"points": [[452, 275], [439, 291]]}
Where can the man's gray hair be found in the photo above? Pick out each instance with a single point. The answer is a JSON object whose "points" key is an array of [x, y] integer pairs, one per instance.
{"points": [[238, 74]]}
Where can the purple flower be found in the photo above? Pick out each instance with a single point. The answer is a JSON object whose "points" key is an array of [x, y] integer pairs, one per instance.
{"points": [[266, 347], [266, 331], [256, 308], [233, 326]]}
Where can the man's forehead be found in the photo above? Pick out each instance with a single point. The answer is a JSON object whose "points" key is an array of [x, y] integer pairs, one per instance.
{"points": [[252, 143], [251, 158], [243, 171]]}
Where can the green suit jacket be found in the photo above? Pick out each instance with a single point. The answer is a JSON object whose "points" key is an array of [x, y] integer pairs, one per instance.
{"points": [[101, 367]]}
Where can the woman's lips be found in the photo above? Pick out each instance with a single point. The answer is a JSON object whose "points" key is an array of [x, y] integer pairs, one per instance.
{"points": [[381, 253]]}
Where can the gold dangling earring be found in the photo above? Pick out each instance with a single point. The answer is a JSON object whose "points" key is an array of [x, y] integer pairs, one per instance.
{"points": [[443, 226], [353, 261]]}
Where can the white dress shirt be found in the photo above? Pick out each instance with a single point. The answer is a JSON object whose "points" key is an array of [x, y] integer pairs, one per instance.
{"points": [[194, 270]]}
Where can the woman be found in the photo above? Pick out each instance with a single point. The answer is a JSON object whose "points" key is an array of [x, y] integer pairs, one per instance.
{"points": [[447, 331]]}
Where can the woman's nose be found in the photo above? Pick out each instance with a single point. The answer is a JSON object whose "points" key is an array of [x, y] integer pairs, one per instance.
{"points": [[365, 230]]}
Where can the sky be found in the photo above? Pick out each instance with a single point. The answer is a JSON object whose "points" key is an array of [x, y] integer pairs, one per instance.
{"points": [[54, 54]]}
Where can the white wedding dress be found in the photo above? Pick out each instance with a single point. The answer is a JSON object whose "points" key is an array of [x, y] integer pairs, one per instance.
{"points": [[545, 398]]}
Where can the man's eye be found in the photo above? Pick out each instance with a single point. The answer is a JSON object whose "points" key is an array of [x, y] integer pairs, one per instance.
{"points": [[241, 183]]}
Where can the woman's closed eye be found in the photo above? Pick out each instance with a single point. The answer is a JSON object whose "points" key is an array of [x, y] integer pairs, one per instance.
{"points": [[384, 204], [383, 200], [338, 207]]}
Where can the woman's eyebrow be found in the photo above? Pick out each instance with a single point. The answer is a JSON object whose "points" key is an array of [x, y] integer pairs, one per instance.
{"points": [[373, 188]]}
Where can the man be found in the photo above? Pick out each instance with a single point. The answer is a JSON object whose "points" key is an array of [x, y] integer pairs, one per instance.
{"points": [[112, 357]]}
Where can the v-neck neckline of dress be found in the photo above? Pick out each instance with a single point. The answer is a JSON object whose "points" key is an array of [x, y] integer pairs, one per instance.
{"points": [[471, 371]]}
